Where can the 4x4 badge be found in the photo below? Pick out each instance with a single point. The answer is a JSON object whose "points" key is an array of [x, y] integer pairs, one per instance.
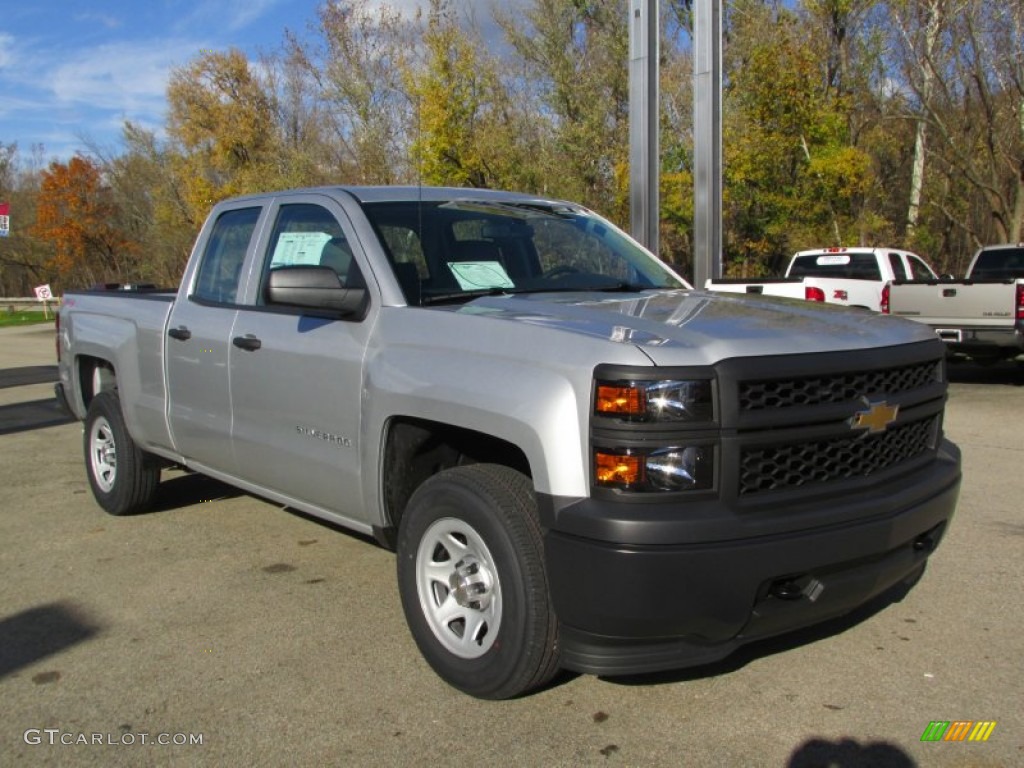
{"points": [[876, 418]]}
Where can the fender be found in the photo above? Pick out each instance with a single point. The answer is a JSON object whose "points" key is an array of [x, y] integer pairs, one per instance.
{"points": [[519, 392]]}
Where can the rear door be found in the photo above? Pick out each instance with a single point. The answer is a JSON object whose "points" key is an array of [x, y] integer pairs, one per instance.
{"points": [[297, 375], [198, 341]]}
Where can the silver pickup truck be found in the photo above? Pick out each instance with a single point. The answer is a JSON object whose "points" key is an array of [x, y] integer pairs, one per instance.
{"points": [[981, 316], [581, 462]]}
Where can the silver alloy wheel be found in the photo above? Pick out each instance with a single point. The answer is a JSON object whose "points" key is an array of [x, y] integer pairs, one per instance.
{"points": [[458, 587], [103, 454]]}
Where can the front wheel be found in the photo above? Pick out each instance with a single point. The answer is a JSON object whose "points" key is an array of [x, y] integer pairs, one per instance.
{"points": [[473, 583], [122, 476]]}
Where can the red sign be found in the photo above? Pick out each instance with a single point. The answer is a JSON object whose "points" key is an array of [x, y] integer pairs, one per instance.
{"points": [[5, 219]]}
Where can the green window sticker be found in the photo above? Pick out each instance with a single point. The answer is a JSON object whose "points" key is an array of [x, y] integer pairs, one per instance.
{"points": [[477, 275]]}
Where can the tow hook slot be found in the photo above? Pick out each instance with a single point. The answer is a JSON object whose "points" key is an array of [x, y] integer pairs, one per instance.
{"points": [[925, 542], [796, 588]]}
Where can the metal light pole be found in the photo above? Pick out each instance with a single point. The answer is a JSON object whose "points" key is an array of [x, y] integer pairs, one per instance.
{"points": [[644, 112], [707, 141]]}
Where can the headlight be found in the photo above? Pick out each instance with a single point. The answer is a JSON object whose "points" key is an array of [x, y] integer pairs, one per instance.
{"points": [[674, 468], [660, 401]]}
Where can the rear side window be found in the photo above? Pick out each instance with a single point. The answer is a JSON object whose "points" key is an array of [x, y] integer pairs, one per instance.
{"points": [[919, 269], [896, 264], [221, 268], [999, 264]]}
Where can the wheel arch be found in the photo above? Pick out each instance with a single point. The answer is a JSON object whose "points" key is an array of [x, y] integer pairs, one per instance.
{"points": [[415, 449], [95, 375]]}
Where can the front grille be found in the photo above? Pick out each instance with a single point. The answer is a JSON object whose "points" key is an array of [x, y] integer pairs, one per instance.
{"points": [[793, 465], [837, 388]]}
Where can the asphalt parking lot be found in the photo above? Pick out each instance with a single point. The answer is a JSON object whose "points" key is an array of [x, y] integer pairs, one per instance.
{"points": [[222, 630]]}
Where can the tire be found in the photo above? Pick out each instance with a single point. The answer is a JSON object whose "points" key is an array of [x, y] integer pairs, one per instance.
{"points": [[473, 584], [122, 476]]}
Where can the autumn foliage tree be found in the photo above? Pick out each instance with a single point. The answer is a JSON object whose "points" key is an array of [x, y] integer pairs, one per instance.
{"points": [[886, 122], [76, 216]]}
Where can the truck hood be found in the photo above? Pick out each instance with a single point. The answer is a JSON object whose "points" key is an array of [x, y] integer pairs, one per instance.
{"points": [[682, 327]]}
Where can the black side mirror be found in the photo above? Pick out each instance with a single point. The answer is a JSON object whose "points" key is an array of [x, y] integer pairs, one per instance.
{"points": [[315, 288]]}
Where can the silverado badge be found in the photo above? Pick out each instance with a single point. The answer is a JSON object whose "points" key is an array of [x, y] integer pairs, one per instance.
{"points": [[876, 418]]}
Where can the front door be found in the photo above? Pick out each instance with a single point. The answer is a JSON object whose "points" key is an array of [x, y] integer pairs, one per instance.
{"points": [[296, 376]]}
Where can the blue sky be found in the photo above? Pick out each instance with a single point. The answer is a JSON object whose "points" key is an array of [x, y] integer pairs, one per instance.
{"points": [[73, 72]]}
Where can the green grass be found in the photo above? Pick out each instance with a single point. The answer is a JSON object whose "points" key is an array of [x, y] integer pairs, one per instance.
{"points": [[33, 317]]}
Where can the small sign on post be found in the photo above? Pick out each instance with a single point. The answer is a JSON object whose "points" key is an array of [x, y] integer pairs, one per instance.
{"points": [[5, 219], [45, 295]]}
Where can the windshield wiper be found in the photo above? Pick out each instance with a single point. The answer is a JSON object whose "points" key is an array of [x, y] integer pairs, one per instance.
{"points": [[459, 296], [620, 287]]}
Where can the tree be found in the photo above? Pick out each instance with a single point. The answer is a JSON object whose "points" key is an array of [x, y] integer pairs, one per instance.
{"points": [[223, 120], [453, 89], [22, 256], [576, 51], [347, 97], [962, 65], [76, 216]]}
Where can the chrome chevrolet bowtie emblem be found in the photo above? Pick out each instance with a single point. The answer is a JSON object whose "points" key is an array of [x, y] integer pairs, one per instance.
{"points": [[876, 418]]}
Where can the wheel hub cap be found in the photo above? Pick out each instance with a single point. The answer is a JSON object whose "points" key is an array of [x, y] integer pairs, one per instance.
{"points": [[470, 583]]}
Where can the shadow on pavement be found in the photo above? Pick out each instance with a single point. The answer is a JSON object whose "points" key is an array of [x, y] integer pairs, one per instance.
{"points": [[31, 374], [1008, 374], [191, 488], [35, 414], [848, 753], [31, 635]]}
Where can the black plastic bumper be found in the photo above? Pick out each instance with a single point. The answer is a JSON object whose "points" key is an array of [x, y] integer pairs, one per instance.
{"points": [[627, 609]]}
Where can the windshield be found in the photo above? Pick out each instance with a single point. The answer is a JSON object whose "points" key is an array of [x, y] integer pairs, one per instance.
{"points": [[460, 249]]}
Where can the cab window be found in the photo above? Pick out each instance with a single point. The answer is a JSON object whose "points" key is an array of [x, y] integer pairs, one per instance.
{"points": [[309, 235], [221, 268], [919, 269]]}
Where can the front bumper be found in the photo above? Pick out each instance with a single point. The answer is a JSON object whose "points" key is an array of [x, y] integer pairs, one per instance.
{"points": [[627, 609]]}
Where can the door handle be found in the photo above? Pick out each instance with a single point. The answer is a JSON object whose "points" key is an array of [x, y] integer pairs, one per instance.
{"points": [[248, 342], [181, 333]]}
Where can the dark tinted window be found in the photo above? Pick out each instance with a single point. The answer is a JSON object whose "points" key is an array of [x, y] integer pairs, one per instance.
{"points": [[896, 264], [852, 266], [458, 249], [999, 264]]}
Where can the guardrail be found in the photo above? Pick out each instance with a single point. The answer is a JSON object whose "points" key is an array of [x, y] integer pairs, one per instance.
{"points": [[27, 303]]}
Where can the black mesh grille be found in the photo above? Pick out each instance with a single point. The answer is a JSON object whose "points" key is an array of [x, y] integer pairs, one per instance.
{"points": [[782, 467], [838, 388]]}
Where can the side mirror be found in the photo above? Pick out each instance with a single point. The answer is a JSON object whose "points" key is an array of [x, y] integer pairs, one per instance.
{"points": [[315, 288]]}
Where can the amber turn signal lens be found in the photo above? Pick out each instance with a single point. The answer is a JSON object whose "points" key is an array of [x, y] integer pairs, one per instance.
{"points": [[615, 469], [622, 400]]}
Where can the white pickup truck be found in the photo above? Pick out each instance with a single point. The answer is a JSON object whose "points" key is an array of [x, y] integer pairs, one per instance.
{"points": [[580, 461], [981, 316], [850, 277]]}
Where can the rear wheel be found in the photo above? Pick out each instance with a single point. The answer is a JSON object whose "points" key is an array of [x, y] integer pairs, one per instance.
{"points": [[122, 476], [473, 584]]}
